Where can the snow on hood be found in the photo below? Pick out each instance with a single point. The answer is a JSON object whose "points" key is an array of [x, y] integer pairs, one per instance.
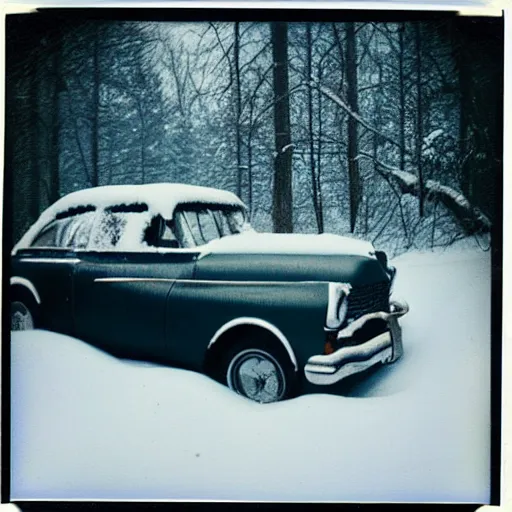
{"points": [[272, 243]]}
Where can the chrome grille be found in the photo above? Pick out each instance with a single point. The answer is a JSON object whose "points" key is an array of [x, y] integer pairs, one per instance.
{"points": [[368, 298]]}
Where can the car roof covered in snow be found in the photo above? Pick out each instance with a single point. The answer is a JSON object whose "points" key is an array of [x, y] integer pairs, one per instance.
{"points": [[161, 198]]}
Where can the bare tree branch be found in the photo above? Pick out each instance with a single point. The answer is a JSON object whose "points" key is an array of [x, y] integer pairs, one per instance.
{"points": [[470, 218]]}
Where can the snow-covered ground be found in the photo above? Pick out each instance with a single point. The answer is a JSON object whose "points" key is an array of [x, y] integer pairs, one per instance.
{"points": [[85, 425]]}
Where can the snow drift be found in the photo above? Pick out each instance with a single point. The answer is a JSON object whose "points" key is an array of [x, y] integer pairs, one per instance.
{"points": [[88, 426]]}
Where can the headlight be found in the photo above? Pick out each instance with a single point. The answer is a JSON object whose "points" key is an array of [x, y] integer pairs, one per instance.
{"points": [[338, 304]]}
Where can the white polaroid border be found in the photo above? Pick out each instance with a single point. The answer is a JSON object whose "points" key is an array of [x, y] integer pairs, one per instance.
{"points": [[465, 7]]}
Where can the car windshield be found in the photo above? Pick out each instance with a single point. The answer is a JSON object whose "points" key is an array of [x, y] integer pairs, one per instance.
{"points": [[199, 224]]}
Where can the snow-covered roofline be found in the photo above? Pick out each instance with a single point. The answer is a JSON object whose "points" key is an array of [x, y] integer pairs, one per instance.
{"points": [[161, 198]]}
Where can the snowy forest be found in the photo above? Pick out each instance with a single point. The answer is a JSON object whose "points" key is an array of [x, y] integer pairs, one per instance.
{"points": [[387, 130]]}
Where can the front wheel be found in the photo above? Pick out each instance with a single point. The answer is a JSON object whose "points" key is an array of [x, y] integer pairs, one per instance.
{"points": [[259, 372], [22, 318]]}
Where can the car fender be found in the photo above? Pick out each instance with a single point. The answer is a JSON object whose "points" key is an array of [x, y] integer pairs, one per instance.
{"points": [[200, 311], [27, 285], [236, 322]]}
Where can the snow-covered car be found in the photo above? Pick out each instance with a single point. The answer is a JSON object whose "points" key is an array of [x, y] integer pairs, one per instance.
{"points": [[175, 274]]}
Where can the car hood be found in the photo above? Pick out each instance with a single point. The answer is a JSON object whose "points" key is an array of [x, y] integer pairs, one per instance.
{"points": [[289, 257], [280, 244]]}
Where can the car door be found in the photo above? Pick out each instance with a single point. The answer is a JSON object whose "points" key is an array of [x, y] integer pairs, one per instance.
{"points": [[121, 286], [49, 263], [50, 272]]}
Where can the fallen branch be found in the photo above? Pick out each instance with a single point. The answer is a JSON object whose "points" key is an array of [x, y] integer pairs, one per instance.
{"points": [[469, 217]]}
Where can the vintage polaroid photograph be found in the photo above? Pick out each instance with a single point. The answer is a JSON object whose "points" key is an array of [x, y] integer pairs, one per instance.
{"points": [[253, 257]]}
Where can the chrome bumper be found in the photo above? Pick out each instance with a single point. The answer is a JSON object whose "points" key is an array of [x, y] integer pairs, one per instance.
{"points": [[384, 348]]}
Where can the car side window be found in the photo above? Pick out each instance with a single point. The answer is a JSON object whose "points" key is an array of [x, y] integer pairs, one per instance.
{"points": [[49, 236], [79, 230], [161, 233], [109, 230], [70, 230], [121, 228], [167, 236]]}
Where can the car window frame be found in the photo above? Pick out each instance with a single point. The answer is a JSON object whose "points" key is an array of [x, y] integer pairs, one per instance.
{"points": [[116, 209], [211, 208], [44, 231], [209, 213], [69, 219], [188, 227]]}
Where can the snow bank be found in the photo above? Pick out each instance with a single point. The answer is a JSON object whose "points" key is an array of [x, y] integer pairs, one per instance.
{"points": [[85, 425]]}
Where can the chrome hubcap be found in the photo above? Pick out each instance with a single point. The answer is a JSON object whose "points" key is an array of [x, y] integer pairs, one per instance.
{"points": [[21, 318], [255, 374]]}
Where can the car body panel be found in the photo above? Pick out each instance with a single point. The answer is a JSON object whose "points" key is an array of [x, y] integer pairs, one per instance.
{"points": [[146, 300], [120, 300], [51, 274], [358, 270], [197, 309]]}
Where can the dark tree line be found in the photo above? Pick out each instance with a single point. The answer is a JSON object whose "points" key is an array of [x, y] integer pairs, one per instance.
{"points": [[388, 130]]}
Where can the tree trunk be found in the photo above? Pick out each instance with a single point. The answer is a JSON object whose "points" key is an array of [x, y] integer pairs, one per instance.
{"points": [[352, 146], [419, 118], [314, 180], [54, 149], [21, 179], [238, 107], [319, 160], [249, 159], [95, 125], [282, 196], [142, 147], [466, 92], [401, 88], [37, 132], [249, 174]]}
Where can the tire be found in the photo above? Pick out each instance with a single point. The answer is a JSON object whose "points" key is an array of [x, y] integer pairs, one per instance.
{"points": [[259, 370], [23, 316]]}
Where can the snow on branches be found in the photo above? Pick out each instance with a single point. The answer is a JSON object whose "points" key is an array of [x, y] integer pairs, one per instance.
{"points": [[470, 218]]}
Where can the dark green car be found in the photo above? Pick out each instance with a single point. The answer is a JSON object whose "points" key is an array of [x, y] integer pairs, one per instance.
{"points": [[174, 274]]}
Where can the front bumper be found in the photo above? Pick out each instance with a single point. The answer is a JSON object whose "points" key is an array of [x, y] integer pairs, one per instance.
{"points": [[383, 348]]}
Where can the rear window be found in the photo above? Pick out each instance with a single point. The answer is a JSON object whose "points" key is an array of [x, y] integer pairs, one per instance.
{"points": [[69, 230]]}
